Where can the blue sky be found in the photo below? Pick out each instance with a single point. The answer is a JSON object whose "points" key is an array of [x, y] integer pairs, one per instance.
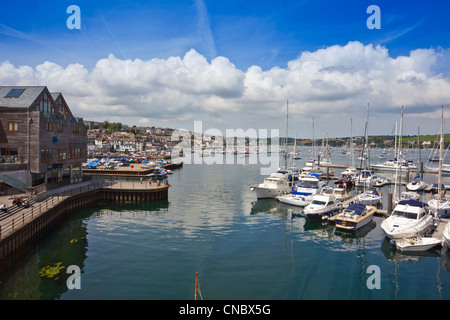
{"points": [[266, 34]]}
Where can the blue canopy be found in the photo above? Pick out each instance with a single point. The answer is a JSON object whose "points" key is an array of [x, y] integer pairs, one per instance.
{"points": [[413, 203], [301, 193], [357, 207]]}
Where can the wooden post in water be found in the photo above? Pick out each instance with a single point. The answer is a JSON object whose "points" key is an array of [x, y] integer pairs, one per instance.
{"points": [[196, 284], [389, 208]]}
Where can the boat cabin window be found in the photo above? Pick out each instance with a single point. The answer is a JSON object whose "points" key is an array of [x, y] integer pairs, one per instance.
{"points": [[409, 215], [318, 202]]}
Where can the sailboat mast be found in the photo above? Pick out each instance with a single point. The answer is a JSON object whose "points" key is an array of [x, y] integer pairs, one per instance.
{"points": [[420, 156], [287, 130], [441, 146], [352, 161], [400, 141]]}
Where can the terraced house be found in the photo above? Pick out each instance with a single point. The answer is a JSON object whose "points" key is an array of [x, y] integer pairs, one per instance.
{"points": [[41, 142]]}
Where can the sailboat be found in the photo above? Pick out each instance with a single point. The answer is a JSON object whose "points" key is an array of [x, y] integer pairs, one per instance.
{"points": [[351, 172], [312, 166], [280, 182], [417, 184], [398, 162], [440, 205]]}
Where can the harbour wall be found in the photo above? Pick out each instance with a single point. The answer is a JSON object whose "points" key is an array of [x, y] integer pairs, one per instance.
{"points": [[18, 241]]}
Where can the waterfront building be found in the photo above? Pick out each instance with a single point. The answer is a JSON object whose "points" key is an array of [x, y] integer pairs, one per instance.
{"points": [[41, 141]]}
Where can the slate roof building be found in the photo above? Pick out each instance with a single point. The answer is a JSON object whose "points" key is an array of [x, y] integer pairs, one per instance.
{"points": [[41, 142]]}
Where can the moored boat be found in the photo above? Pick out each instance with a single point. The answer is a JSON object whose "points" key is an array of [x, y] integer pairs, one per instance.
{"points": [[341, 194], [276, 184], [322, 207], [295, 199], [369, 197], [417, 244], [354, 217], [417, 184], [410, 218]]}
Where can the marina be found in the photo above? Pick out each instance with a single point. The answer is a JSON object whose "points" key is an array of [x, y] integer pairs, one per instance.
{"points": [[223, 240]]}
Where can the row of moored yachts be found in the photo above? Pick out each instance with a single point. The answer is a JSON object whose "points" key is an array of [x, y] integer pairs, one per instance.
{"points": [[409, 224]]}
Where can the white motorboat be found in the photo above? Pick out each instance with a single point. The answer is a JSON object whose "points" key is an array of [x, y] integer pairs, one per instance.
{"points": [[310, 166], [363, 178], [341, 194], [322, 207], [416, 184], [309, 184], [394, 165], [351, 172], [410, 218], [295, 199], [277, 184], [367, 178], [369, 197], [446, 236], [354, 217], [417, 244], [407, 195]]}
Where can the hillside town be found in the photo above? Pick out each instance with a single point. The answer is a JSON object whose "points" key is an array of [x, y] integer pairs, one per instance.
{"points": [[115, 138]]}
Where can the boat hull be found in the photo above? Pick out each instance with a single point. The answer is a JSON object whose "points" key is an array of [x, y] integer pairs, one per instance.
{"points": [[418, 186], [393, 231], [440, 209], [349, 224], [319, 215], [266, 193], [414, 245], [295, 200]]}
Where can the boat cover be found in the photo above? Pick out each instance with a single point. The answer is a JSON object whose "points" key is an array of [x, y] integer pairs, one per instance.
{"points": [[358, 208], [301, 193], [413, 203]]}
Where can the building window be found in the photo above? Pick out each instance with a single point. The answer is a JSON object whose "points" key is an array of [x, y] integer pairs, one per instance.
{"points": [[46, 155], [49, 126], [62, 154], [59, 127], [45, 105], [76, 153], [76, 129], [13, 126], [14, 93]]}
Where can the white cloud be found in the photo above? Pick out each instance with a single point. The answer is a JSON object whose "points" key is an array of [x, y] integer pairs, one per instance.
{"points": [[332, 82]]}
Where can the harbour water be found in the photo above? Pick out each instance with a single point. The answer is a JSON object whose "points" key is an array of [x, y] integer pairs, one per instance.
{"points": [[240, 247]]}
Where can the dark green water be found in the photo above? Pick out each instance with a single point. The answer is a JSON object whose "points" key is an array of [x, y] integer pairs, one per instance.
{"points": [[241, 248]]}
